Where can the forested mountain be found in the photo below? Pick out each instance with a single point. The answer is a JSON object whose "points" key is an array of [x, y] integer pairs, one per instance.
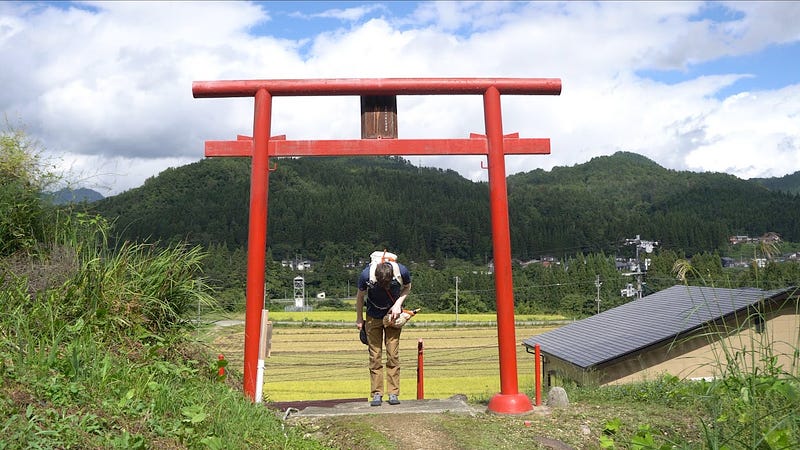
{"points": [[317, 207], [347, 207], [788, 183], [593, 206]]}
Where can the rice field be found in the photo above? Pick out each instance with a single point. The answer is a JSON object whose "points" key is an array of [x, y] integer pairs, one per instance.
{"points": [[348, 317], [316, 363]]}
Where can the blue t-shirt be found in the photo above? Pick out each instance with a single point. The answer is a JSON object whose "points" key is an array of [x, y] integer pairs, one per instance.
{"points": [[378, 301]]}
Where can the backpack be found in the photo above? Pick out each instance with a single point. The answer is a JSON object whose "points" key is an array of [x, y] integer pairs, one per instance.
{"points": [[379, 257]]}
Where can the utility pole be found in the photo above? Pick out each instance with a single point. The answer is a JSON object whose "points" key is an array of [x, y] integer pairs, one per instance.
{"points": [[636, 268], [457, 280], [597, 284]]}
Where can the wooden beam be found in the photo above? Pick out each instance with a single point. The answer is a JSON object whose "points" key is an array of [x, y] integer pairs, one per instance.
{"points": [[380, 147]]}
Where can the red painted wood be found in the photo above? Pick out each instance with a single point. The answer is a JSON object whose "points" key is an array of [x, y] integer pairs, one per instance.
{"points": [[509, 400], [537, 352], [359, 147], [420, 370], [256, 238], [377, 86]]}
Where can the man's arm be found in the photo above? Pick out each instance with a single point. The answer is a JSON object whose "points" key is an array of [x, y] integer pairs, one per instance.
{"points": [[360, 309], [397, 308]]}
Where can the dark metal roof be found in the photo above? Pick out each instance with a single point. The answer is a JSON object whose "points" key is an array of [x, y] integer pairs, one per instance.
{"points": [[644, 322]]}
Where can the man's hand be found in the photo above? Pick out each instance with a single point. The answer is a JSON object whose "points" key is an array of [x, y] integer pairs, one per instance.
{"points": [[395, 312]]}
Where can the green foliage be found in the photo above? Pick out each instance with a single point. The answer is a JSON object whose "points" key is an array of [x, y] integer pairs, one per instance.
{"points": [[757, 402], [775, 275], [317, 205], [788, 183], [593, 206], [569, 285], [743, 410], [156, 399], [335, 211], [643, 438], [667, 390], [354, 205], [104, 361], [23, 178], [95, 347]]}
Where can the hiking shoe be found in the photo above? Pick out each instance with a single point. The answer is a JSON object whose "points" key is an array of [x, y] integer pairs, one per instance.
{"points": [[393, 399], [377, 399]]}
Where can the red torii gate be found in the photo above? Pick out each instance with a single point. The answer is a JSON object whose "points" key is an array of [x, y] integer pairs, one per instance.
{"points": [[493, 144]]}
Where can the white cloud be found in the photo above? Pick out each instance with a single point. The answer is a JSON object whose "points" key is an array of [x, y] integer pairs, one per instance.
{"points": [[104, 173], [773, 22], [752, 134], [349, 14], [109, 83]]}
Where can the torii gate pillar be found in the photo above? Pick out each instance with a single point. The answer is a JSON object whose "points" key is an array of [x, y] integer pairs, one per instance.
{"points": [[493, 144]]}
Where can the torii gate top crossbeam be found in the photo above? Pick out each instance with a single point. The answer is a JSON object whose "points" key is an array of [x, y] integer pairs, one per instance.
{"points": [[376, 86], [513, 145]]}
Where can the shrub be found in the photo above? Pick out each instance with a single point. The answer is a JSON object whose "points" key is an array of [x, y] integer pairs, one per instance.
{"points": [[22, 181]]}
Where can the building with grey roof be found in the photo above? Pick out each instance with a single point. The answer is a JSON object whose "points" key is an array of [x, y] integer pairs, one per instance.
{"points": [[687, 331]]}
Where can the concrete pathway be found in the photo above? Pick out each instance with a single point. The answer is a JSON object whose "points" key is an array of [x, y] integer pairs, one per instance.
{"points": [[349, 407]]}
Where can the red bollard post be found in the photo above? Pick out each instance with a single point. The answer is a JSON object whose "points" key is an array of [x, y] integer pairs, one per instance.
{"points": [[420, 377], [538, 365], [221, 363]]}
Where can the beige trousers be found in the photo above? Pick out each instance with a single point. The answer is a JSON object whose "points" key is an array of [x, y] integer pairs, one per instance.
{"points": [[378, 336]]}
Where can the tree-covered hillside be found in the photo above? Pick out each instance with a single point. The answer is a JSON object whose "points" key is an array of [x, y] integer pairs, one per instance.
{"points": [[594, 206], [317, 206], [347, 207], [787, 183]]}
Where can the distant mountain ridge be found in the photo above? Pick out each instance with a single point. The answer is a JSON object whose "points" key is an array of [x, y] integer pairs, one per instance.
{"points": [[627, 194], [788, 183], [342, 206], [68, 195]]}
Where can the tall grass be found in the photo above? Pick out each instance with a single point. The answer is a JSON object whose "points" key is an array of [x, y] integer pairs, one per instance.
{"points": [[98, 352], [756, 401]]}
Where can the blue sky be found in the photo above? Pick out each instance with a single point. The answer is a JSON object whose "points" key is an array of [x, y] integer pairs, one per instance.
{"points": [[774, 67], [301, 20], [105, 87]]}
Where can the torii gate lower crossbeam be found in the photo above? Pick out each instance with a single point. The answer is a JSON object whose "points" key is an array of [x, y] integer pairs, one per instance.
{"points": [[493, 144]]}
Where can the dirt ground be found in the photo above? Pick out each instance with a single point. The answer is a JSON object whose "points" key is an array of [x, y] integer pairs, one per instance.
{"points": [[446, 431], [575, 426]]}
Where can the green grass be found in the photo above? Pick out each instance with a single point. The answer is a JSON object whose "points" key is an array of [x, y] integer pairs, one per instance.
{"points": [[97, 354]]}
